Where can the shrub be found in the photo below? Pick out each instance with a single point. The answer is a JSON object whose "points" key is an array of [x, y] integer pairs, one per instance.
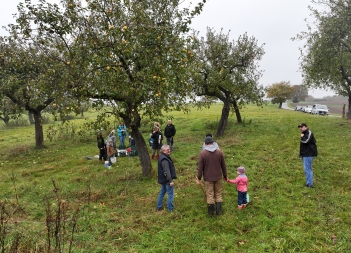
{"points": [[21, 121]]}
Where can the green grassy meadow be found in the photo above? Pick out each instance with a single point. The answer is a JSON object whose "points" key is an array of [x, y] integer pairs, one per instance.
{"points": [[116, 208]]}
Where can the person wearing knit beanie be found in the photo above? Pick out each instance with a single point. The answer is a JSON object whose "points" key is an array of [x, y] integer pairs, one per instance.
{"points": [[241, 186]]}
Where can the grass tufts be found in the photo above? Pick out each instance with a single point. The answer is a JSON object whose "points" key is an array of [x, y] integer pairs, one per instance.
{"points": [[117, 206]]}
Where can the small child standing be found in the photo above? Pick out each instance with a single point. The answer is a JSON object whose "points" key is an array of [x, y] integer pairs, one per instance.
{"points": [[241, 185]]}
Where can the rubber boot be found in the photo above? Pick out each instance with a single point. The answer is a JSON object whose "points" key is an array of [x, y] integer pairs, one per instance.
{"points": [[218, 208], [152, 157], [211, 209], [157, 157]]}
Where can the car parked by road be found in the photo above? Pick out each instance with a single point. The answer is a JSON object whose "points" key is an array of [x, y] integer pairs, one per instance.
{"points": [[308, 108], [298, 108], [320, 109]]}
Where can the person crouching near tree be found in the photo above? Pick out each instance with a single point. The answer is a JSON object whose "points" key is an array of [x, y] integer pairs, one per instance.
{"points": [[157, 142], [241, 185], [110, 152]]}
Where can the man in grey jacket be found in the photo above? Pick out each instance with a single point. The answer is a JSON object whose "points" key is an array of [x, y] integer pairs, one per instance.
{"points": [[212, 167]]}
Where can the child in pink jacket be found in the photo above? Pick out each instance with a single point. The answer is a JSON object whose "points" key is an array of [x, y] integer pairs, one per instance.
{"points": [[241, 185]]}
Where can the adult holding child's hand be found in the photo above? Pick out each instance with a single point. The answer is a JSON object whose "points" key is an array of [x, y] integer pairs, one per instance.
{"points": [[212, 167]]}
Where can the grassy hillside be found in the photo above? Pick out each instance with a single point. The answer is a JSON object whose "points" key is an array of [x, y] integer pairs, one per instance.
{"points": [[115, 209]]}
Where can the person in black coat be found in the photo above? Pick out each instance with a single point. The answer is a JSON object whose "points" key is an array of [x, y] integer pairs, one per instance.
{"points": [[157, 142], [101, 145], [170, 131], [308, 150]]}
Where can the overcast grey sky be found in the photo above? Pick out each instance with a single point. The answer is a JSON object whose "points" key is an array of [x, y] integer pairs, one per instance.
{"points": [[271, 22]]}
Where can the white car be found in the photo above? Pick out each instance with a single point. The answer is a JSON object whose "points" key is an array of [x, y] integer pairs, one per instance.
{"points": [[320, 109], [308, 108]]}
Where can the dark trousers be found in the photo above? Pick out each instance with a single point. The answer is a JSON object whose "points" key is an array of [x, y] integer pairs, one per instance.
{"points": [[102, 154], [170, 142], [242, 198], [109, 160]]}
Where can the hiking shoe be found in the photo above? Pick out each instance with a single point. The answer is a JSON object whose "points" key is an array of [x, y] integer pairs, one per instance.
{"points": [[159, 209], [240, 207], [244, 205]]}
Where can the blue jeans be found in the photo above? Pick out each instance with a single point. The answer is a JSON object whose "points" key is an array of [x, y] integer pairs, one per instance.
{"points": [[242, 198], [307, 166], [122, 139], [170, 191]]}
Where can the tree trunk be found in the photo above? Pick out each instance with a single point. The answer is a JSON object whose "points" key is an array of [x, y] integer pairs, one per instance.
{"points": [[237, 113], [280, 105], [30, 117], [39, 136], [349, 108], [142, 151], [224, 119], [6, 120]]}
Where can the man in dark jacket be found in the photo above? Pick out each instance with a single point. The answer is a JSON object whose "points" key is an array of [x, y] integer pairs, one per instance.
{"points": [[166, 174], [212, 167], [170, 131], [308, 150]]}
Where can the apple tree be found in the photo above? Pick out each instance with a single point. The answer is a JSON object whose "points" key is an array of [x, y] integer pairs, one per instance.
{"points": [[8, 110], [132, 53], [326, 55], [300, 92], [29, 79], [280, 92], [228, 71]]}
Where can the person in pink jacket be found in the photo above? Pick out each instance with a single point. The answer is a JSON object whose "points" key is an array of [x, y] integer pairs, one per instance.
{"points": [[241, 185]]}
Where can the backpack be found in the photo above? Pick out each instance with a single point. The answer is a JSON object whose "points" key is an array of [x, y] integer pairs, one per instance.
{"points": [[150, 140]]}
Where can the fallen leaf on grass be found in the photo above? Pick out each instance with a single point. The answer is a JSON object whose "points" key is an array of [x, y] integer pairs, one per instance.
{"points": [[333, 237]]}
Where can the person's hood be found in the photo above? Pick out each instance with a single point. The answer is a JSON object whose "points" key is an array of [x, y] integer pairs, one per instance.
{"points": [[212, 148]]}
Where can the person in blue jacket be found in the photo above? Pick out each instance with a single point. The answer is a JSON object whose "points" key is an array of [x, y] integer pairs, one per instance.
{"points": [[122, 133]]}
